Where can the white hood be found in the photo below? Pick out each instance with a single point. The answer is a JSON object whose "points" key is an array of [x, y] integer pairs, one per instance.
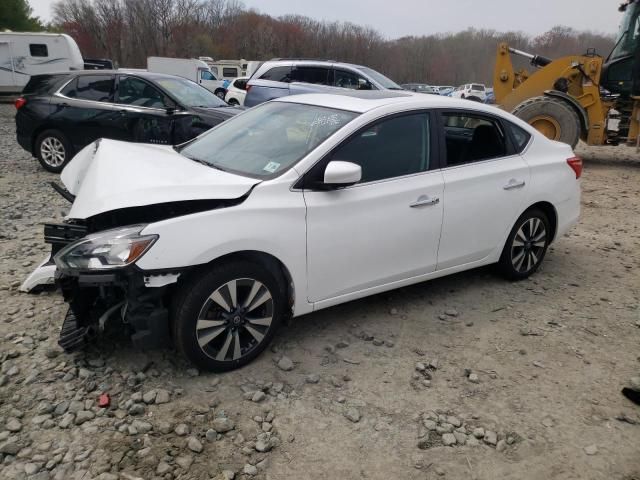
{"points": [[108, 174]]}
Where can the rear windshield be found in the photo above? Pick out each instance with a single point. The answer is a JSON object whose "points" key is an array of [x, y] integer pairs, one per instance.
{"points": [[43, 84], [479, 88]]}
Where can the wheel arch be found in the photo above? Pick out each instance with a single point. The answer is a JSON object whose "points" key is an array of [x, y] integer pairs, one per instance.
{"points": [[43, 128], [264, 259], [550, 211]]}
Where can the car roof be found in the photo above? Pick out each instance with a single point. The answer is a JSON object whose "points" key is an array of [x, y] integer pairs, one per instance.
{"points": [[291, 61], [364, 101], [123, 71]]}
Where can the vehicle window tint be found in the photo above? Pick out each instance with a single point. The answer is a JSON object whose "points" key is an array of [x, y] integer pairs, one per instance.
{"points": [[391, 148], [519, 135], [135, 91], [70, 89], [206, 75], [229, 72], [94, 87], [479, 88], [278, 74], [316, 75], [38, 50], [346, 79], [41, 84], [471, 138]]}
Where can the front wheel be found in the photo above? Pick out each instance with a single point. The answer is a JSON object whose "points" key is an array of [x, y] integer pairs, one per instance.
{"points": [[526, 245], [226, 317]]}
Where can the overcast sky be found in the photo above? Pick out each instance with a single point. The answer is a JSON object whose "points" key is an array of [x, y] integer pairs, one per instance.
{"points": [[396, 18]]}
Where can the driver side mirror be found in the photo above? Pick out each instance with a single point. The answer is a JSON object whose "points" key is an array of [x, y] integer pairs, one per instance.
{"points": [[341, 174]]}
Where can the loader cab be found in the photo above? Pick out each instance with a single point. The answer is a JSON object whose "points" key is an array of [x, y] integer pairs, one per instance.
{"points": [[621, 72]]}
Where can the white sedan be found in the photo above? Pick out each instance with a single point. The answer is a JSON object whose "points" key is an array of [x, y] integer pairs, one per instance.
{"points": [[299, 204]]}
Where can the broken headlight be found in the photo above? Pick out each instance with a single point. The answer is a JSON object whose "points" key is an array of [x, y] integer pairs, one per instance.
{"points": [[106, 250]]}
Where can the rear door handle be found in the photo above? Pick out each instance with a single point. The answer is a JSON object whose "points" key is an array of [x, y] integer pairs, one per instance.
{"points": [[425, 201], [513, 184]]}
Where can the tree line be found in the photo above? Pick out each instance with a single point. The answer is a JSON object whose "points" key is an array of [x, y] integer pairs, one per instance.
{"points": [[128, 31]]}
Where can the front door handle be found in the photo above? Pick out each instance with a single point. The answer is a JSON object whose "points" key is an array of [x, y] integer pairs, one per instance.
{"points": [[513, 184], [425, 201]]}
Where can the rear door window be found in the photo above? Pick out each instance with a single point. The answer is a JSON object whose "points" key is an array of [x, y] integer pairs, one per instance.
{"points": [[308, 74], [278, 74], [470, 137], [98, 88]]}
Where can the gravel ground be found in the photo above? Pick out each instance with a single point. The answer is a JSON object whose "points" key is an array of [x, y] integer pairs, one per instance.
{"points": [[464, 377]]}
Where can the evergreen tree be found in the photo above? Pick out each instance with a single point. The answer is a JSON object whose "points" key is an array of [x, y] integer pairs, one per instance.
{"points": [[16, 15]]}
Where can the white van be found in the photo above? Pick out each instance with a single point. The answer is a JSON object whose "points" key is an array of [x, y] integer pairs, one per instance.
{"points": [[191, 68], [26, 54]]}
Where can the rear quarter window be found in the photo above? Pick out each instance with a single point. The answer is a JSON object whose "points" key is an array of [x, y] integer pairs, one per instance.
{"points": [[43, 84], [519, 136]]}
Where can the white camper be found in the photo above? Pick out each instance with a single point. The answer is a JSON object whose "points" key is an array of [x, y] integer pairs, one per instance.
{"points": [[26, 54], [230, 69], [191, 68]]}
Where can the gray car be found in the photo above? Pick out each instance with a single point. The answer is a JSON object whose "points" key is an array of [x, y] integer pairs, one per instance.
{"points": [[281, 77]]}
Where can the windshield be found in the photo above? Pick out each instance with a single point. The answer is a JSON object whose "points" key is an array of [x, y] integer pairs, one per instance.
{"points": [[479, 88], [268, 139], [190, 94], [381, 79], [629, 32]]}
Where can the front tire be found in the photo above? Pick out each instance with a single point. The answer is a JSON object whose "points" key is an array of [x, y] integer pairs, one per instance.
{"points": [[526, 245], [225, 317], [53, 150]]}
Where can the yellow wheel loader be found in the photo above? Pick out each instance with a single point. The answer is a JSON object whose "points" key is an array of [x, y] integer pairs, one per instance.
{"points": [[578, 96]]}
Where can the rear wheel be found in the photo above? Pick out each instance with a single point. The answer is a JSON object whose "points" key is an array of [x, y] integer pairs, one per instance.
{"points": [[53, 150], [226, 317], [221, 93], [233, 101], [526, 245], [552, 117]]}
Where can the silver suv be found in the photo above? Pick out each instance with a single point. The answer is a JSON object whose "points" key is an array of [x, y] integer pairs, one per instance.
{"points": [[282, 77]]}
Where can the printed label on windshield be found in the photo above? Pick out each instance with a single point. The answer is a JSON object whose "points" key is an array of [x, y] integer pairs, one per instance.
{"points": [[271, 167]]}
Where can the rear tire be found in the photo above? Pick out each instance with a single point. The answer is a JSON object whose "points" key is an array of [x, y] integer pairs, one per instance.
{"points": [[53, 150], [552, 117], [526, 245], [234, 102], [225, 317]]}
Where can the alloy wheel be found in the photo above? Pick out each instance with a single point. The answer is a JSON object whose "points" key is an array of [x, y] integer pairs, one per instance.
{"points": [[234, 319], [528, 245], [52, 152]]}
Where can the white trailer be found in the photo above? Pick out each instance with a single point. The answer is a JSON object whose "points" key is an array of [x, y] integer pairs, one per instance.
{"points": [[230, 69], [26, 54], [191, 68]]}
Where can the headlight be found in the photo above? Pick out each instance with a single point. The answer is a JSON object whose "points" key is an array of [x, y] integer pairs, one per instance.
{"points": [[105, 250]]}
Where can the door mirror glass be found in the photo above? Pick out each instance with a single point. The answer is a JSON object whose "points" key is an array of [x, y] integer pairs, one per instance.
{"points": [[342, 174]]}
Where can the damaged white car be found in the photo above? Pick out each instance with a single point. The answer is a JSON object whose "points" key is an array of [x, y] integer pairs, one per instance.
{"points": [[296, 205]]}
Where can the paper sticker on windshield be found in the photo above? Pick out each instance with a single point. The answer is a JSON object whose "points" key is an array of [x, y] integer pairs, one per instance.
{"points": [[271, 167]]}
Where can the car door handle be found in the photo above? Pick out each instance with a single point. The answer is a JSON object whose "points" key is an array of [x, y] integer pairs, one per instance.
{"points": [[122, 112], [425, 201], [513, 184]]}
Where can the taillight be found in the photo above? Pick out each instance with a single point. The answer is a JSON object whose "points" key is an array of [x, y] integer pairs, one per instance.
{"points": [[20, 102], [576, 165]]}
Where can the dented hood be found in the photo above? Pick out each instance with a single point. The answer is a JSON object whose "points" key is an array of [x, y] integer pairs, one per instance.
{"points": [[108, 175]]}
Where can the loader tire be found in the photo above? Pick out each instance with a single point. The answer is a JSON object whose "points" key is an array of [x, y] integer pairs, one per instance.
{"points": [[552, 117]]}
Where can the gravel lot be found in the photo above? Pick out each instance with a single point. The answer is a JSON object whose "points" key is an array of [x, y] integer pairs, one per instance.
{"points": [[465, 377]]}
